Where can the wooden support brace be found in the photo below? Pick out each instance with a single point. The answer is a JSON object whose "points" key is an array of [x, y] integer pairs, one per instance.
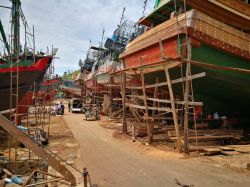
{"points": [[149, 129], [162, 50], [186, 98], [124, 122], [179, 146], [165, 109], [39, 151], [190, 103], [196, 76], [154, 104]]}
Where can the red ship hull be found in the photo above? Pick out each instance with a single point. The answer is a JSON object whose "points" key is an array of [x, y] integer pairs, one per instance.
{"points": [[28, 75]]}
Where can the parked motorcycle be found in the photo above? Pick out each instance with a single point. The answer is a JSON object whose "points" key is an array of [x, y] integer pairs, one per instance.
{"points": [[92, 113]]}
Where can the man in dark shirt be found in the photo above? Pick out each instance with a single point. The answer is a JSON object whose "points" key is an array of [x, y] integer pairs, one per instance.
{"points": [[69, 105]]}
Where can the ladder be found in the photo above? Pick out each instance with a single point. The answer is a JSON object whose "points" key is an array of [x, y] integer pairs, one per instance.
{"points": [[14, 90]]}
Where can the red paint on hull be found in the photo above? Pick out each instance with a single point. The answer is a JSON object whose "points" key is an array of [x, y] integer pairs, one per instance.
{"points": [[39, 65], [152, 54], [50, 82]]}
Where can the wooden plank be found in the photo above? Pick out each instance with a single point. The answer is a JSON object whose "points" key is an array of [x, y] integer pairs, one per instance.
{"points": [[135, 70], [212, 66], [149, 108], [215, 10], [211, 137], [134, 112], [169, 65], [214, 132], [192, 77], [238, 6], [167, 101], [224, 148], [211, 151], [36, 149], [136, 115], [116, 112]]}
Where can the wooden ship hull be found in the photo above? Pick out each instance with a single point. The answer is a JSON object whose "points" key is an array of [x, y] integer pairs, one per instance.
{"points": [[217, 49], [46, 92], [28, 74], [71, 91], [231, 12]]}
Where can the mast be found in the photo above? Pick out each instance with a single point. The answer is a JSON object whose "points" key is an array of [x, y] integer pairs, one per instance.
{"points": [[15, 26], [4, 37]]}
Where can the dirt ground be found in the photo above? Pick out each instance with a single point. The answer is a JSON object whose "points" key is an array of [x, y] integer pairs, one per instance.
{"points": [[63, 143], [235, 160], [113, 159]]}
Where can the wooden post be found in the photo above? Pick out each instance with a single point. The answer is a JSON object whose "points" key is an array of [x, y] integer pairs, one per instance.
{"points": [[149, 129], [85, 177], [186, 98], [179, 146], [154, 103], [124, 122]]}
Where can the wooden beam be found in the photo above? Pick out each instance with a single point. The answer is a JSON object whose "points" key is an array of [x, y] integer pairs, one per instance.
{"points": [[162, 50], [123, 89], [149, 108], [45, 182], [192, 77], [155, 95], [167, 101], [179, 146], [116, 112], [141, 66], [154, 105], [134, 112], [136, 115], [213, 137], [149, 129], [212, 66], [21, 137], [186, 98]]}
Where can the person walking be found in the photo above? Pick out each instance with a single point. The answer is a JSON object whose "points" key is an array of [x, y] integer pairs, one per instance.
{"points": [[69, 105], [62, 108]]}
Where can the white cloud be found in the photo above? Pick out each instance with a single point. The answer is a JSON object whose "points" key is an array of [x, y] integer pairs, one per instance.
{"points": [[70, 24]]}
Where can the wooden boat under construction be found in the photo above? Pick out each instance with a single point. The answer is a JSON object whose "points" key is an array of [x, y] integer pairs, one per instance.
{"points": [[233, 12], [219, 50]]}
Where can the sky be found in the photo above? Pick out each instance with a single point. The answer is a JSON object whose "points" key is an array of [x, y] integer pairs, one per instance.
{"points": [[70, 24]]}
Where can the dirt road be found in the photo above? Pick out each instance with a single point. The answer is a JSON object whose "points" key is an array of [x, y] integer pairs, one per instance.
{"points": [[120, 162]]}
